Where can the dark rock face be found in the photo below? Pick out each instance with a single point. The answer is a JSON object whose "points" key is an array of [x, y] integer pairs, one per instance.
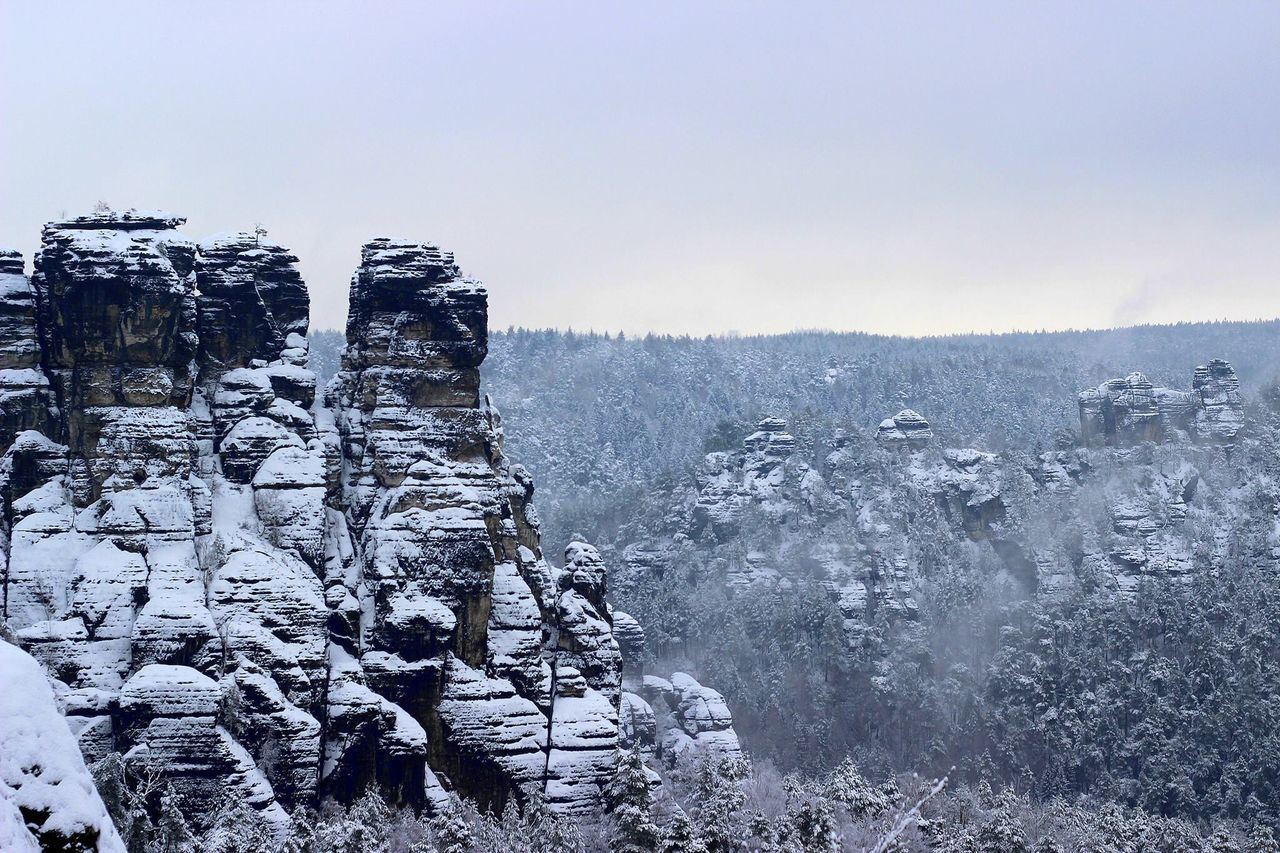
{"points": [[453, 613], [25, 398], [117, 301], [416, 323], [1121, 411], [1129, 411], [117, 311], [251, 299], [260, 589]]}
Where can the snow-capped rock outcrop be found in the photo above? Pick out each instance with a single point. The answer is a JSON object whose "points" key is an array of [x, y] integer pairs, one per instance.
{"points": [[1219, 411], [1124, 412], [694, 720], [1120, 410], [447, 603], [762, 474], [24, 389], [269, 592], [47, 797], [872, 516], [251, 300], [907, 429]]}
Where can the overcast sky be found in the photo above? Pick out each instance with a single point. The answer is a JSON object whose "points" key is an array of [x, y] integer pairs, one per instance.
{"points": [[915, 168]]}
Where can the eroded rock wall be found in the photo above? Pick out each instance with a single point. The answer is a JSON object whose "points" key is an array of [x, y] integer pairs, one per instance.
{"points": [[274, 592], [1129, 411]]}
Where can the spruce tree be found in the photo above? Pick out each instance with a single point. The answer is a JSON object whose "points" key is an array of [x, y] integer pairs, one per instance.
{"points": [[302, 832], [172, 834], [239, 828], [630, 802], [719, 798], [679, 836], [452, 835]]}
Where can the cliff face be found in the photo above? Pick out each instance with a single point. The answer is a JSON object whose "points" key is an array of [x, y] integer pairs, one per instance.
{"points": [[270, 592], [444, 605], [875, 516], [1125, 412]]}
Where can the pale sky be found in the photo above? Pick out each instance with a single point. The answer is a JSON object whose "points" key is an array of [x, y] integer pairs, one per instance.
{"points": [[692, 167]]}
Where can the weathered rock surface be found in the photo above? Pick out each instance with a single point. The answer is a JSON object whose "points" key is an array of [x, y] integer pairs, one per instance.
{"points": [[872, 516], [47, 797], [251, 299], [693, 720], [907, 429], [25, 399], [258, 588], [762, 474], [1125, 412], [1219, 412], [506, 663]]}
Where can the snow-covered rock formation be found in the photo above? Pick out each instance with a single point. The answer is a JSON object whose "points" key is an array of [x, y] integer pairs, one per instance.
{"points": [[730, 482], [1219, 412], [693, 720], [500, 669], [1124, 412], [906, 429], [262, 589], [874, 516], [47, 797]]}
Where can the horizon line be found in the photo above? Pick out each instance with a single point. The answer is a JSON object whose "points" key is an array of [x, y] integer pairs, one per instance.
{"points": [[733, 335]]}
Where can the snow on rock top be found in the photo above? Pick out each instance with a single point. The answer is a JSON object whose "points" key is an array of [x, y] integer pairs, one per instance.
{"points": [[130, 219], [47, 797], [250, 590], [10, 262], [1129, 411], [906, 429]]}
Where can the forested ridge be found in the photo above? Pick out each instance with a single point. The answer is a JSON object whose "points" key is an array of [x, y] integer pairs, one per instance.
{"points": [[1124, 652]]}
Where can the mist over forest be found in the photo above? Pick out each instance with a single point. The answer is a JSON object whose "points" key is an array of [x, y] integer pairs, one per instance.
{"points": [[1010, 602], [329, 522]]}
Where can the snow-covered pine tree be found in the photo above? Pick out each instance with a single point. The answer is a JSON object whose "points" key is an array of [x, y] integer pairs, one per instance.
{"points": [[239, 828], [302, 832], [679, 836], [630, 802], [719, 800], [172, 834]]}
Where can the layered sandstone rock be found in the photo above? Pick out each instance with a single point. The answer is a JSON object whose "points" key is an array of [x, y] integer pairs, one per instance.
{"points": [[251, 299], [762, 474], [907, 429], [1219, 412], [1129, 411], [506, 663], [694, 720], [264, 591], [25, 398]]}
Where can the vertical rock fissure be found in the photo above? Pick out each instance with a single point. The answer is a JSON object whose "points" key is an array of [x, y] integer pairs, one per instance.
{"points": [[551, 712]]}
